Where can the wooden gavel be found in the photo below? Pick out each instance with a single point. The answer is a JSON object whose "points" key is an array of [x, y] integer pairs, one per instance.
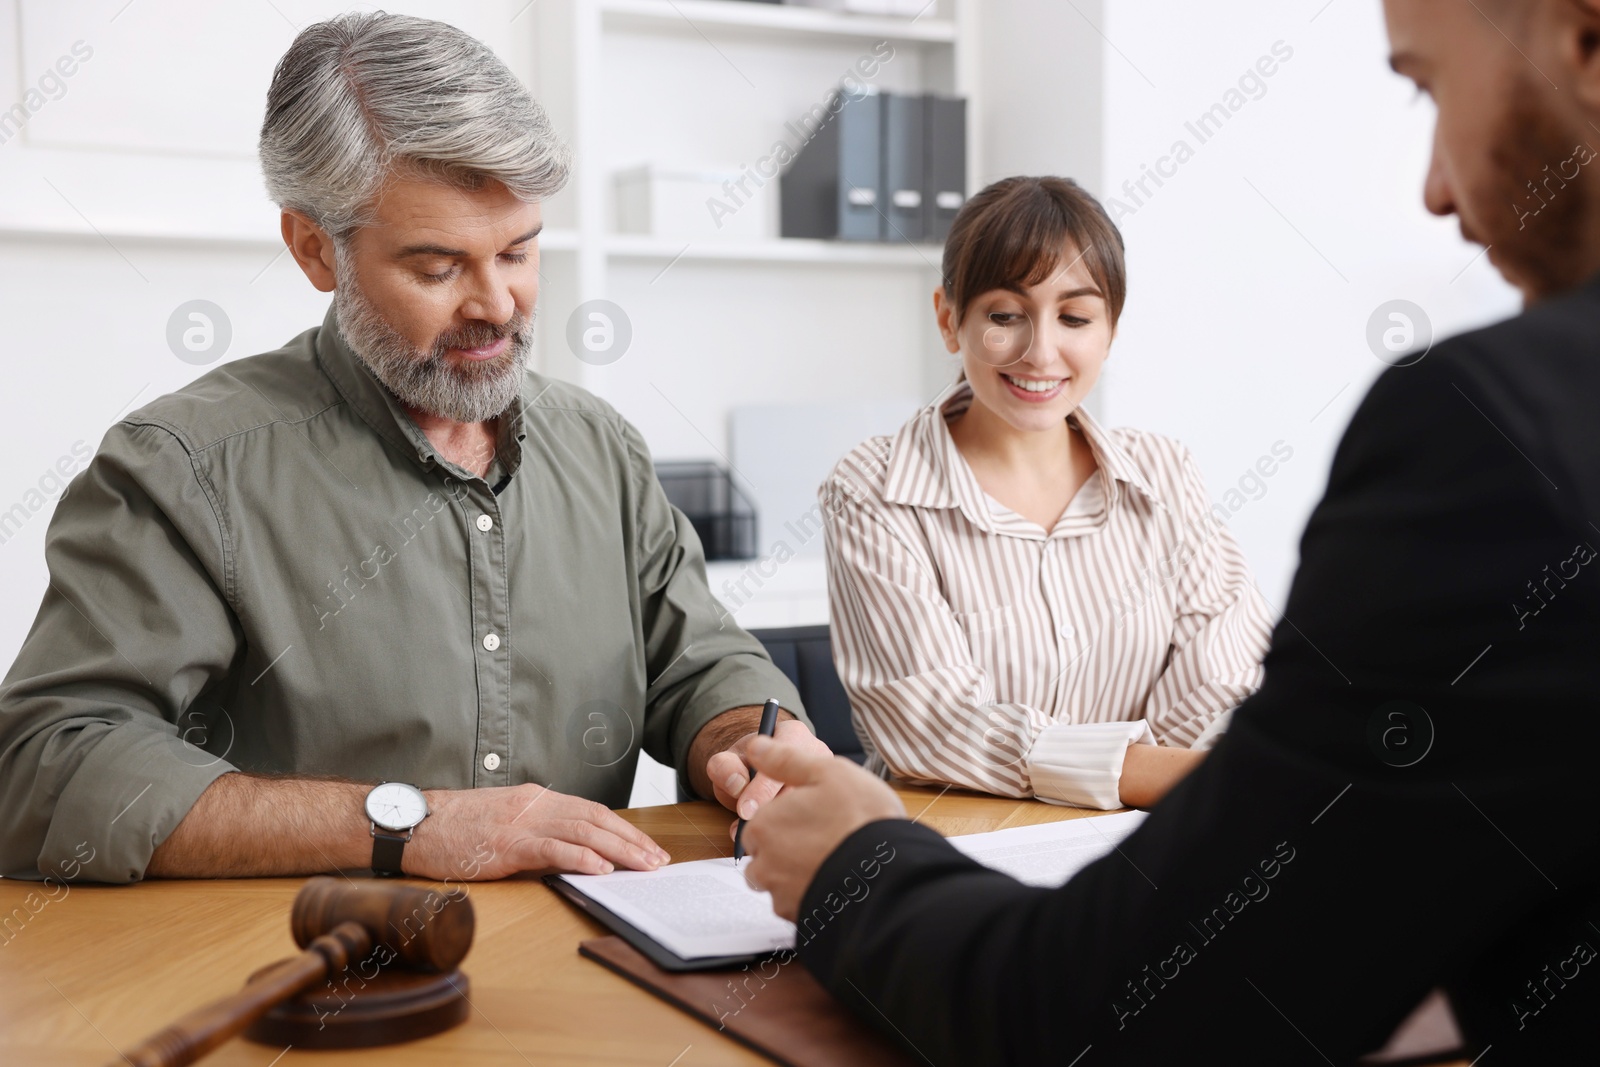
{"points": [[338, 923]]}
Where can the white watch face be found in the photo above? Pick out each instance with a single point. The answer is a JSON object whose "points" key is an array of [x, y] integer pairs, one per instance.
{"points": [[396, 806]]}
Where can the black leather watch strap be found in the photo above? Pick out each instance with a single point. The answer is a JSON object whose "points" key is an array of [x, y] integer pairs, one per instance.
{"points": [[386, 851]]}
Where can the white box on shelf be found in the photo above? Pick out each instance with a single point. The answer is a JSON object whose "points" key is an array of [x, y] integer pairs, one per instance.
{"points": [[695, 205], [905, 8]]}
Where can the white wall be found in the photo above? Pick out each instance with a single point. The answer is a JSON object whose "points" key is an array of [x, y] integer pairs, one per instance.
{"points": [[1042, 75], [1239, 330]]}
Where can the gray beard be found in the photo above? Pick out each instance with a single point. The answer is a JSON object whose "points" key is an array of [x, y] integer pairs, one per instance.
{"points": [[427, 380]]}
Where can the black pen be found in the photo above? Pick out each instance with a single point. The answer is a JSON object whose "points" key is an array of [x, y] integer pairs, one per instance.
{"points": [[769, 723]]}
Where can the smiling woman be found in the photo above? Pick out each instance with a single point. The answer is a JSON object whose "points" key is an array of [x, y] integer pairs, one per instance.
{"points": [[979, 557]]}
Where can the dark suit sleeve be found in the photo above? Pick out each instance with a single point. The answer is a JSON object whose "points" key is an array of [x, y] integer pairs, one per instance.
{"points": [[1404, 803]]}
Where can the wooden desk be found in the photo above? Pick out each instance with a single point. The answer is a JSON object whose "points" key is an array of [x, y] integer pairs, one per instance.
{"points": [[98, 968]]}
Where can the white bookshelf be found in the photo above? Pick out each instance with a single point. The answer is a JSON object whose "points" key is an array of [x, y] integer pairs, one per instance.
{"points": [[709, 85]]}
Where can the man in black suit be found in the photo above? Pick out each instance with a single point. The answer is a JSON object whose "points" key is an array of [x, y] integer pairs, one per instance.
{"points": [[1409, 802]]}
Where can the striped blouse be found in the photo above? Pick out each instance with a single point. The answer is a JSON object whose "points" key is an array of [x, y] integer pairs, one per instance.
{"points": [[980, 650]]}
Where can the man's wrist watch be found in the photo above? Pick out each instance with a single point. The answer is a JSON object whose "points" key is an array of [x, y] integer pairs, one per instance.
{"points": [[394, 809]]}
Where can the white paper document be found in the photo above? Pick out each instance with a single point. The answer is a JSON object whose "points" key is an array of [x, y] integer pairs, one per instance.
{"points": [[704, 907], [696, 909], [1049, 854]]}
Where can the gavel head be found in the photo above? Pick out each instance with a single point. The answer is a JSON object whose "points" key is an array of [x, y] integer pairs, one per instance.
{"points": [[425, 929]]}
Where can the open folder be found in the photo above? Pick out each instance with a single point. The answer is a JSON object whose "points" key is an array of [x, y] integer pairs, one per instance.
{"points": [[693, 916], [703, 916]]}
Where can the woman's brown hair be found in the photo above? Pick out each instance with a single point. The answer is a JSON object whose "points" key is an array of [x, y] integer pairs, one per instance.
{"points": [[1011, 236]]}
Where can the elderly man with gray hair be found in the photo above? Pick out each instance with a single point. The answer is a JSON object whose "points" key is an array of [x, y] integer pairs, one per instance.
{"points": [[382, 597]]}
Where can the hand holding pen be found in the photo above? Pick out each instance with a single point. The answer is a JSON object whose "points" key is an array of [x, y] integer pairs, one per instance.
{"points": [[769, 723]]}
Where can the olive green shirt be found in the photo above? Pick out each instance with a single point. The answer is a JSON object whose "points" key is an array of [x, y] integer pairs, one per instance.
{"points": [[273, 570]]}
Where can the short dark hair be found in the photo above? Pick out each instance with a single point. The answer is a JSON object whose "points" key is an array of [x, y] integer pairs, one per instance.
{"points": [[1011, 234]]}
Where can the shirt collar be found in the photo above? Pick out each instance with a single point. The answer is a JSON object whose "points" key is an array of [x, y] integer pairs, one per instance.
{"points": [[927, 470], [381, 410]]}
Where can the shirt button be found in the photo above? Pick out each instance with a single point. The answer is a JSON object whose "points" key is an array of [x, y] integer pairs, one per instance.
{"points": [[491, 641], [491, 762], [1066, 630], [485, 523]]}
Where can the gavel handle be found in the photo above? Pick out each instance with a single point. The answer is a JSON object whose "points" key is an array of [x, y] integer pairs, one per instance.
{"points": [[203, 1029]]}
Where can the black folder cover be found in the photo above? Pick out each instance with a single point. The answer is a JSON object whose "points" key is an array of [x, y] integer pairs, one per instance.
{"points": [[904, 166], [946, 188], [834, 186]]}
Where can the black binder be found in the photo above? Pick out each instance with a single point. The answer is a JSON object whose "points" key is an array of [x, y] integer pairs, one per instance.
{"points": [[881, 167], [833, 187], [946, 171], [904, 167]]}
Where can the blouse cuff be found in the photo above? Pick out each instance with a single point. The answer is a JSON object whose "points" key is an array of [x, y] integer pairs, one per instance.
{"points": [[1081, 763]]}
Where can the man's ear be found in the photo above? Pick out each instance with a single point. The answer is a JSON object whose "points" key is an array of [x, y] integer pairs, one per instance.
{"points": [[311, 247]]}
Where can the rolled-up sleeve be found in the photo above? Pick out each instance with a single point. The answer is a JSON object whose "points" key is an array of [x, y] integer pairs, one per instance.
{"points": [[700, 662], [95, 767], [1220, 632], [1080, 763]]}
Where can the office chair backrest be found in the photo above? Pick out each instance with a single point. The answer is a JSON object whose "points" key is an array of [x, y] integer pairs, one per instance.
{"points": [[804, 654]]}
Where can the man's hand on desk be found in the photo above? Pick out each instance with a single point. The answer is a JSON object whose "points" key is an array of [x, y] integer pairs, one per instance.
{"points": [[248, 825], [721, 748], [497, 831], [825, 799]]}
